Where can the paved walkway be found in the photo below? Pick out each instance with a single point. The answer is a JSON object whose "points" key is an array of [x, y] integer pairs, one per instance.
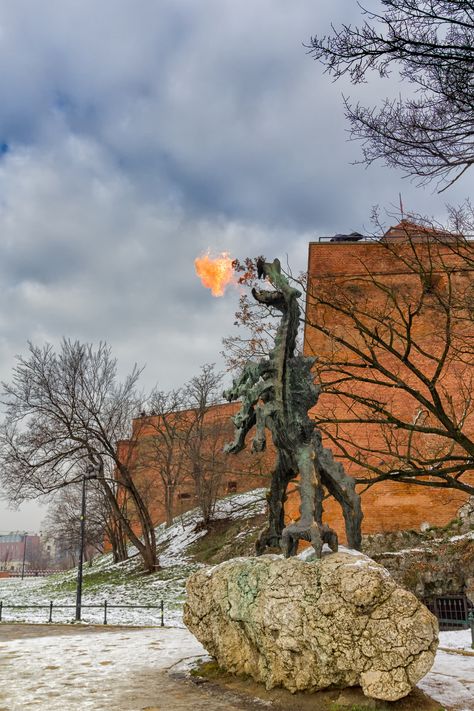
{"points": [[52, 667]]}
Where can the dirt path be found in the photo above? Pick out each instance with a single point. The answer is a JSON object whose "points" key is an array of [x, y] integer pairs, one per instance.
{"points": [[87, 668], [56, 667]]}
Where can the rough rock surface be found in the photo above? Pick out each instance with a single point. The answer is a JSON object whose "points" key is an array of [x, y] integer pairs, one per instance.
{"points": [[341, 621]]}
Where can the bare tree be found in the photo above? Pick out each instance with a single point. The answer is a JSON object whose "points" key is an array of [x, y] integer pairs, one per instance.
{"points": [[395, 357], [65, 409], [36, 557], [256, 323], [162, 453], [181, 444], [428, 132], [5, 558], [63, 519], [207, 462]]}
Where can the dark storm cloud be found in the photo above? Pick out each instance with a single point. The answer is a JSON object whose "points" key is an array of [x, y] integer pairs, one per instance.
{"points": [[136, 136], [137, 139], [214, 104]]}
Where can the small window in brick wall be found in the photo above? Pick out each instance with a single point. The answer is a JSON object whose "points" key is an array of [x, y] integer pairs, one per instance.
{"points": [[231, 487], [184, 495]]}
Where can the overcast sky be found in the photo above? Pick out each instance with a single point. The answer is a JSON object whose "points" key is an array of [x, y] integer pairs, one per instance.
{"points": [[135, 136]]}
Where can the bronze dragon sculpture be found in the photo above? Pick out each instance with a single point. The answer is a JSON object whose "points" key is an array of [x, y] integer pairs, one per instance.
{"points": [[276, 394]]}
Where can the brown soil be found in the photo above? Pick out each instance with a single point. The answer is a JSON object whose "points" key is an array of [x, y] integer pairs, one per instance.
{"points": [[217, 680]]}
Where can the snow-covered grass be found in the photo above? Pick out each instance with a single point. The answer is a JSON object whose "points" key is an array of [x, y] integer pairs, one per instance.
{"points": [[124, 583], [427, 546]]}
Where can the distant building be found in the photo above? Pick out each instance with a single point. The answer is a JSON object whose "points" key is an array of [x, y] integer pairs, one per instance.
{"points": [[18, 550]]}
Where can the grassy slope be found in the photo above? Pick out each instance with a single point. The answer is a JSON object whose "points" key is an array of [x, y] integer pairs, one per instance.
{"points": [[182, 548]]}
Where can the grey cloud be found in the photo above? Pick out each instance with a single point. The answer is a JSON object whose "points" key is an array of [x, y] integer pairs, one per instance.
{"points": [[141, 134], [213, 104]]}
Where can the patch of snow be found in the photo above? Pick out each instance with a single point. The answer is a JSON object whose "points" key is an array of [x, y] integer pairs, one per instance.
{"points": [[187, 664], [426, 549], [465, 536], [246, 505], [104, 670], [307, 554], [352, 551], [456, 639], [451, 681]]}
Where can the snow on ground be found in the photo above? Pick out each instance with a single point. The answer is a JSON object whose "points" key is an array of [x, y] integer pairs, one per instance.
{"points": [[451, 679], [98, 664], [116, 669], [427, 546], [457, 639], [81, 669], [123, 583]]}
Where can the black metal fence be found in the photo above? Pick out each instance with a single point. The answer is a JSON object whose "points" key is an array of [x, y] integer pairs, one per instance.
{"points": [[105, 607], [453, 611], [40, 573]]}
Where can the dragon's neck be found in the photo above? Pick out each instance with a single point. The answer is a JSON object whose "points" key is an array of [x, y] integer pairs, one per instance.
{"points": [[285, 344]]}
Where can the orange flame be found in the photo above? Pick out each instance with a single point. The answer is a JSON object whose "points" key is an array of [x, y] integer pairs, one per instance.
{"points": [[215, 273]]}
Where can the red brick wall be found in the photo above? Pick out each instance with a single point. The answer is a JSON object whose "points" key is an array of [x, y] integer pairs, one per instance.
{"points": [[387, 506], [242, 472]]}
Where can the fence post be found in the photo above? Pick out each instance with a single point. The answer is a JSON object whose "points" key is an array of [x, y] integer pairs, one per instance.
{"points": [[50, 611], [1, 605], [470, 619], [162, 608], [105, 612]]}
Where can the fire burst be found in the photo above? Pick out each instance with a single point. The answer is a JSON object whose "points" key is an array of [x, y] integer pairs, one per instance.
{"points": [[215, 273]]}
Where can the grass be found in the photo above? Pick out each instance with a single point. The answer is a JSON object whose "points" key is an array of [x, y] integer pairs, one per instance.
{"points": [[92, 580], [227, 539]]}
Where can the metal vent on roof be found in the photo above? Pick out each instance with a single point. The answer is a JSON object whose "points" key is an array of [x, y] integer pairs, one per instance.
{"points": [[352, 237]]}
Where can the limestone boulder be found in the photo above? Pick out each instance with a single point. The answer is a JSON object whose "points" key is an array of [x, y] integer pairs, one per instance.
{"points": [[340, 621]]}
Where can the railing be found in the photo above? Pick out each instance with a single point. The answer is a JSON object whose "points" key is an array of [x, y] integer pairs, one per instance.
{"points": [[452, 611], [105, 606], [31, 573]]}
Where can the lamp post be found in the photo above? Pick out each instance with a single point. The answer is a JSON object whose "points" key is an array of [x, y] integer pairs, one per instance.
{"points": [[85, 478], [25, 537]]}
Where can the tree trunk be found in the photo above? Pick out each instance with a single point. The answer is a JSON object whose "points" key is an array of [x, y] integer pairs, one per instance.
{"points": [[169, 504], [146, 547]]}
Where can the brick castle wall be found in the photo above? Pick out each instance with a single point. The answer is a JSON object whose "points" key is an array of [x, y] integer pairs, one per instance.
{"points": [[387, 506]]}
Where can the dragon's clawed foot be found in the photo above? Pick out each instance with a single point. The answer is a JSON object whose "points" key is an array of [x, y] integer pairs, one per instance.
{"points": [[315, 533]]}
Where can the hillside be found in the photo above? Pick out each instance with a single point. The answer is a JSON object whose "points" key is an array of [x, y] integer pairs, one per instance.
{"points": [[433, 562], [182, 548]]}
